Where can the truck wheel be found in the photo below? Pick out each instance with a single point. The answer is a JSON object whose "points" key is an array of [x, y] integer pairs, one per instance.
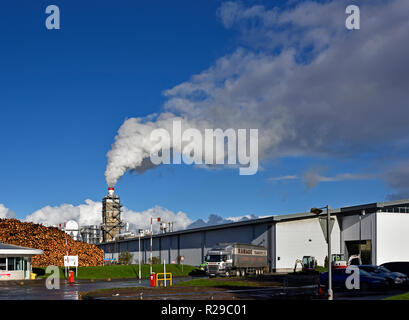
{"points": [[227, 274]]}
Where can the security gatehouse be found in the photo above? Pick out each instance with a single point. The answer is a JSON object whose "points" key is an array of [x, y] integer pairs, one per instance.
{"points": [[15, 261]]}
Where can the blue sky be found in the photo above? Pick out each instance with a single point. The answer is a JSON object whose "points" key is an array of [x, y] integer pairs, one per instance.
{"points": [[65, 93]]}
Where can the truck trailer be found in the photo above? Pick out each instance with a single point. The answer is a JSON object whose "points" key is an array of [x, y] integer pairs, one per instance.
{"points": [[236, 259]]}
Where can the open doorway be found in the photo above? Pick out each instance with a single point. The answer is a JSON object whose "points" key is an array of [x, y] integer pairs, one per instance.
{"points": [[364, 247]]}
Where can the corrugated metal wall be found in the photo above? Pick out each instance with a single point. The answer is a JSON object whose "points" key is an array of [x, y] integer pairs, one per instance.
{"points": [[193, 245]]}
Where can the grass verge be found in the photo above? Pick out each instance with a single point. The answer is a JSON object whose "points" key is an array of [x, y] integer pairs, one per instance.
{"points": [[404, 296], [123, 271]]}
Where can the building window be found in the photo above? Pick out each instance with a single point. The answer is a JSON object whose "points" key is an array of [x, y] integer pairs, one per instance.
{"points": [[3, 264], [10, 264], [19, 263]]}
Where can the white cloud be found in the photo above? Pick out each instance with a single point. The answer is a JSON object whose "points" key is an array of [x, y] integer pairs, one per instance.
{"points": [[141, 220], [90, 213], [6, 213], [336, 103], [242, 218]]}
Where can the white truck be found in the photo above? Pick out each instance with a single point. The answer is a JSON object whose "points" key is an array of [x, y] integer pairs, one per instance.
{"points": [[236, 259]]}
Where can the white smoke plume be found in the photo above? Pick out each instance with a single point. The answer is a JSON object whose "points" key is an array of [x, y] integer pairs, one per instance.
{"points": [[294, 83], [133, 147]]}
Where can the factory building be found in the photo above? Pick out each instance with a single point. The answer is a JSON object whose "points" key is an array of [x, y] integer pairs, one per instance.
{"points": [[15, 261], [88, 234], [378, 231]]}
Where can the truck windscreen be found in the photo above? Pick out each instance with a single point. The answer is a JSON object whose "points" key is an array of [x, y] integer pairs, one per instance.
{"points": [[214, 258]]}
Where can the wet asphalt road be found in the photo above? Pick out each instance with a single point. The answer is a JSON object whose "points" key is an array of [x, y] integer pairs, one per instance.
{"points": [[368, 295], [267, 293], [36, 289]]}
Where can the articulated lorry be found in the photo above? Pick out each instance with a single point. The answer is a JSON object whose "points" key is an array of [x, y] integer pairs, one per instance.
{"points": [[235, 259]]}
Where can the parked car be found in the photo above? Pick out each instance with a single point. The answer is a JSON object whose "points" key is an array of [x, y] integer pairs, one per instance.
{"points": [[401, 266], [367, 281], [395, 278]]}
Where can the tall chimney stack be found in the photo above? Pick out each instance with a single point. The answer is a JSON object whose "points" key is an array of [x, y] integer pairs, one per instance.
{"points": [[111, 216]]}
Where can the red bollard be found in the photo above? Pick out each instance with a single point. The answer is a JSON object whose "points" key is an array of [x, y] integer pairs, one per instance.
{"points": [[71, 277], [153, 279]]}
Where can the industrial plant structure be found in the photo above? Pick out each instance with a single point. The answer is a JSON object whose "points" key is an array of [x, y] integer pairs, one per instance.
{"points": [[111, 216], [379, 231], [112, 227], [91, 234]]}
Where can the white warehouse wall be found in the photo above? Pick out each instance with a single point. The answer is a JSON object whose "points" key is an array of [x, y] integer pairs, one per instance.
{"points": [[292, 242], [392, 237]]}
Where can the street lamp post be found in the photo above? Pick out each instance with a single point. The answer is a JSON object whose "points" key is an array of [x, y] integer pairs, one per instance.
{"points": [[158, 220], [318, 211], [139, 256], [360, 232]]}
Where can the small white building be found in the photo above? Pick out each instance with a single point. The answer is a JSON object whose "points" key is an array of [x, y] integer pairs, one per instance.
{"points": [[15, 261]]}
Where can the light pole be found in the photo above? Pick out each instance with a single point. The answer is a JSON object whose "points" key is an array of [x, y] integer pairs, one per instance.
{"points": [[360, 232], [158, 220], [318, 211], [139, 256]]}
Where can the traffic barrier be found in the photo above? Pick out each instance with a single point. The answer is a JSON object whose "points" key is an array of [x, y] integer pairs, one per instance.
{"points": [[165, 277]]}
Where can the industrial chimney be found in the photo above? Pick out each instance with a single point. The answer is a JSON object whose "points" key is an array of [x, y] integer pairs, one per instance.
{"points": [[111, 216]]}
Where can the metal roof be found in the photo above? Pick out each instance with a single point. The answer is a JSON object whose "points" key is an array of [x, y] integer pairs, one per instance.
{"points": [[10, 249]]}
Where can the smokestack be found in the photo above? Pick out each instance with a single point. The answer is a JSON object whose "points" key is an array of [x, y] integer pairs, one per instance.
{"points": [[111, 216]]}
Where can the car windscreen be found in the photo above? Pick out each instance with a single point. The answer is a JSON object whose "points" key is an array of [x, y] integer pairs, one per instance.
{"points": [[383, 269]]}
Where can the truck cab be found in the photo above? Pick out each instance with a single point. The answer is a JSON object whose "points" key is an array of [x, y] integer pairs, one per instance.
{"points": [[218, 262]]}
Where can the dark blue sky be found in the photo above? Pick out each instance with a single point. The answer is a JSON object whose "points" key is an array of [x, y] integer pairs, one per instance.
{"points": [[64, 94]]}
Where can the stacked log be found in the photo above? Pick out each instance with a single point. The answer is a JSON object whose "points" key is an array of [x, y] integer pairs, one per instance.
{"points": [[52, 241]]}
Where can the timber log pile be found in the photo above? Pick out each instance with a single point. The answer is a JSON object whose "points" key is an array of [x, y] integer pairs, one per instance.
{"points": [[52, 241]]}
